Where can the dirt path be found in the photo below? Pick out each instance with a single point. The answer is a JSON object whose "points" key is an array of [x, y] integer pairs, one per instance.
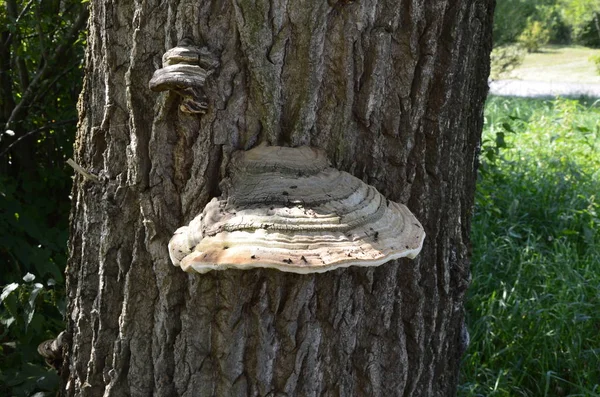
{"points": [[543, 89]]}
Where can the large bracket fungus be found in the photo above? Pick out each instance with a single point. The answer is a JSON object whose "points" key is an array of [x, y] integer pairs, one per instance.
{"points": [[185, 68], [285, 208]]}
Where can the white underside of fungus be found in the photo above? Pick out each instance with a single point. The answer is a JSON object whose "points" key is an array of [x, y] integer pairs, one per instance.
{"points": [[286, 209]]}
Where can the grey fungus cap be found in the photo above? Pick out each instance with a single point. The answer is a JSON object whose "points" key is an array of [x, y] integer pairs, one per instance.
{"points": [[184, 72]]}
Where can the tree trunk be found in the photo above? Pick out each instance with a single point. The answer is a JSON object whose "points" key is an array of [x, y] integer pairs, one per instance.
{"points": [[392, 90]]}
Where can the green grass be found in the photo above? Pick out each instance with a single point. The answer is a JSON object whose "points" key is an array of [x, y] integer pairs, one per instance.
{"points": [[558, 64], [534, 304]]}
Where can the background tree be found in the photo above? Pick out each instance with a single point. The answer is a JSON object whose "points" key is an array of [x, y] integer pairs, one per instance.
{"points": [[393, 91], [510, 20], [566, 22], [584, 18]]}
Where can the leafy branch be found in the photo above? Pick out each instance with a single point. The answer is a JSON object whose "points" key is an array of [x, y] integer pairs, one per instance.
{"points": [[45, 70], [37, 130]]}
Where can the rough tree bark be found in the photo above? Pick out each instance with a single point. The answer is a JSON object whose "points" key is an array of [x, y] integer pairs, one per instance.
{"points": [[392, 90]]}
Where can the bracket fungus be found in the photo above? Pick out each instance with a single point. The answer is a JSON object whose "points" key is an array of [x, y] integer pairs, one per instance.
{"points": [[185, 69], [286, 209]]}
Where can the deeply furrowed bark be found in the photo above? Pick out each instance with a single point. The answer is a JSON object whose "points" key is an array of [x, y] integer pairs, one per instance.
{"points": [[392, 90]]}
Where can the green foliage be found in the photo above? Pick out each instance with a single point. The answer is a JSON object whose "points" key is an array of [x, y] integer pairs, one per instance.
{"points": [[583, 17], [31, 313], [553, 20], [596, 61], [33, 228], [566, 21], [510, 19], [503, 59], [41, 53], [533, 303], [590, 33], [534, 36]]}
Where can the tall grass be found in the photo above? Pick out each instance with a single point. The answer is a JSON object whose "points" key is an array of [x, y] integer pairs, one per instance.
{"points": [[534, 304]]}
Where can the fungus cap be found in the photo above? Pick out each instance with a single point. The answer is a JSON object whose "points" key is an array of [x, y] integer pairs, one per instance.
{"points": [[184, 72], [286, 209], [178, 76]]}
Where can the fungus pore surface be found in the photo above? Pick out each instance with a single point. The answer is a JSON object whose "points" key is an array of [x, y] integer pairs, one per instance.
{"points": [[286, 209]]}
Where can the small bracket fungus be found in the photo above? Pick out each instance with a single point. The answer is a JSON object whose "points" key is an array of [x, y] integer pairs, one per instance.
{"points": [[285, 208], [185, 68]]}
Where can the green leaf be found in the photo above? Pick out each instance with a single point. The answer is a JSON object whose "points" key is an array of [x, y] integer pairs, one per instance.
{"points": [[508, 127], [581, 128], [49, 381], [7, 322], [28, 278], [30, 309], [37, 288], [490, 154], [500, 142], [514, 234], [7, 290]]}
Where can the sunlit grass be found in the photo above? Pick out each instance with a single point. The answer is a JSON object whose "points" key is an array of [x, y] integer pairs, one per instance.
{"points": [[559, 64], [534, 304]]}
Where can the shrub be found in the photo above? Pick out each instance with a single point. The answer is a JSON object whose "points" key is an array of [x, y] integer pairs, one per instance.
{"points": [[30, 312], [596, 60], [534, 36], [504, 59]]}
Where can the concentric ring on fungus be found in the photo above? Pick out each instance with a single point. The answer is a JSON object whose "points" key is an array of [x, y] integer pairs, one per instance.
{"points": [[285, 208]]}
